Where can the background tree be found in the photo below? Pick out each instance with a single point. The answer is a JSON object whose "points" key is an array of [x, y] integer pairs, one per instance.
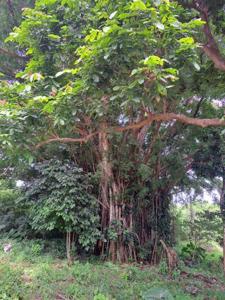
{"points": [[13, 219], [12, 57], [209, 163]]}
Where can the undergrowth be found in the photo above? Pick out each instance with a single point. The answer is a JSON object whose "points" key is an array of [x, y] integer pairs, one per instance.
{"points": [[34, 270]]}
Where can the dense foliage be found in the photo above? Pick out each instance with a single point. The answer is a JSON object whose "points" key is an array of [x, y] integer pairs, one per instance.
{"points": [[12, 57], [11, 217], [59, 198], [124, 91]]}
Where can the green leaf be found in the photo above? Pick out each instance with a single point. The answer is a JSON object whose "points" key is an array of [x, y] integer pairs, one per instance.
{"points": [[93, 36], [161, 89], [50, 2], [153, 61], [41, 98], [36, 77], [54, 37], [134, 71], [196, 23], [67, 71], [116, 88], [138, 5], [171, 71], [49, 107], [106, 29], [187, 41]]}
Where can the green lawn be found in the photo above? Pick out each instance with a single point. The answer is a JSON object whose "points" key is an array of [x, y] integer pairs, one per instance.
{"points": [[30, 272]]}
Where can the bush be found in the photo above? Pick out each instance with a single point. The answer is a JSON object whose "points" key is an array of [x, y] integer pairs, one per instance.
{"points": [[13, 220], [60, 198], [192, 253]]}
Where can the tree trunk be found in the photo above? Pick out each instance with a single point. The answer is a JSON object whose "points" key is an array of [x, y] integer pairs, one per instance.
{"points": [[113, 218], [224, 249], [222, 209], [154, 224], [192, 236], [69, 245]]}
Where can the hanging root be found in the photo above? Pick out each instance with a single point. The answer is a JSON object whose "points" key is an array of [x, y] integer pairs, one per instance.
{"points": [[172, 258]]}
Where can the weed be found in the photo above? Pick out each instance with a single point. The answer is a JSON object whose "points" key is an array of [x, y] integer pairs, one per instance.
{"points": [[29, 271]]}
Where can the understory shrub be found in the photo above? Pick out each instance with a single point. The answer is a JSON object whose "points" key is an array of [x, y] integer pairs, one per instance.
{"points": [[192, 254], [13, 220], [60, 198]]}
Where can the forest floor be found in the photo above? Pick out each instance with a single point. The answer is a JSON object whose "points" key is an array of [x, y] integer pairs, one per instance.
{"points": [[28, 272]]}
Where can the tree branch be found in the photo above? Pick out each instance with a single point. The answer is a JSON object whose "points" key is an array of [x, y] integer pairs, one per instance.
{"points": [[211, 48], [198, 107], [165, 117], [11, 54], [12, 12], [66, 140]]}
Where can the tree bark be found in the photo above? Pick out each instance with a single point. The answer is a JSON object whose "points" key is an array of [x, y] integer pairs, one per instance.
{"points": [[224, 248], [69, 245], [164, 117], [12, 12], [222, 209], [210, 48], [113, 217]]}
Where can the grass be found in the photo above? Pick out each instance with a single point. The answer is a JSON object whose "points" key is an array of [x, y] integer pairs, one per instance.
{"points": [[32, 272]]}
